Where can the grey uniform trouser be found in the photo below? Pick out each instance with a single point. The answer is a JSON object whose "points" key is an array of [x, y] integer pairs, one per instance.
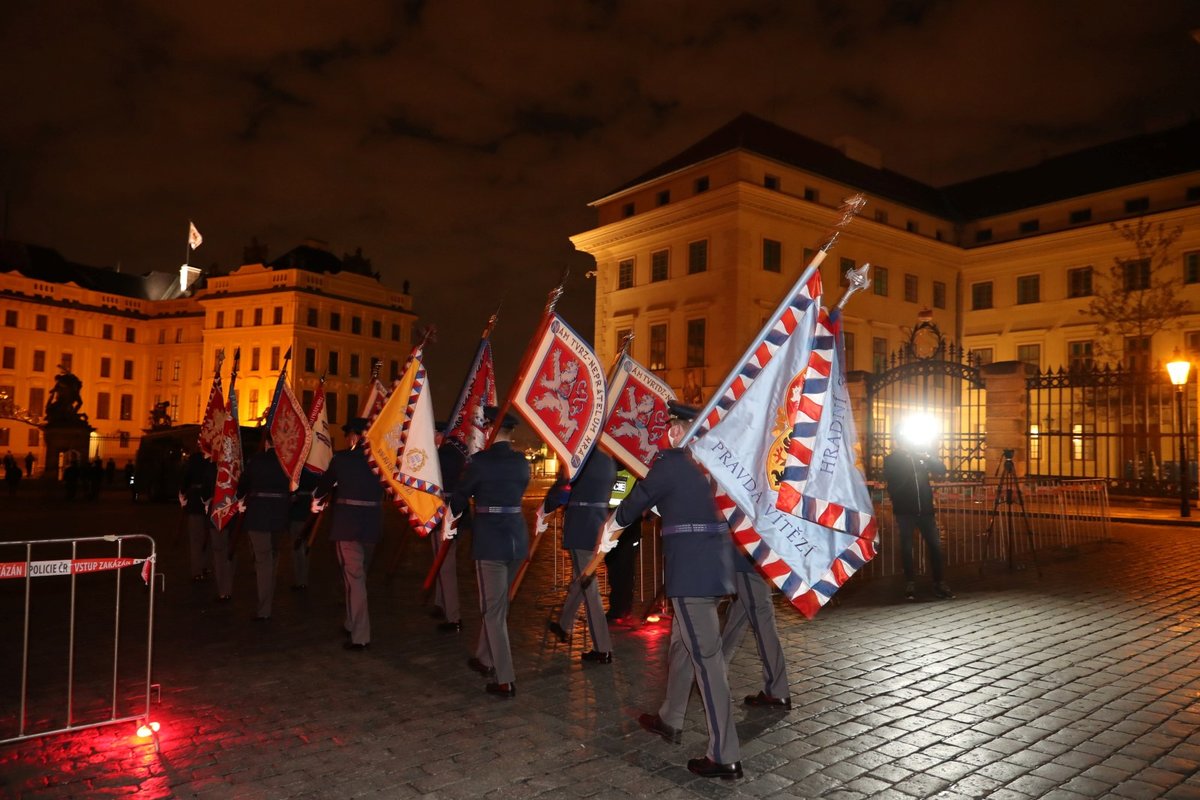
{"points": [[597, 624], [198, 543], [495, 579], [695, 655], [752, 606], [266, 563], [445, 594], [222, 563], [355, 558]]}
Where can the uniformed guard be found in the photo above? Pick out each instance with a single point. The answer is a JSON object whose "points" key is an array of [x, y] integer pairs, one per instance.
{"points": [[452, 462], [265, 489], [199, 480], [699, 572], [752, 606], [496, 478], [586, 499], [620, 563], [357, 525]]}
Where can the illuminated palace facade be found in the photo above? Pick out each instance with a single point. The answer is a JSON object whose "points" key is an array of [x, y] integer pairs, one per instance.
{"points": [[693, 255], [138, 341]]}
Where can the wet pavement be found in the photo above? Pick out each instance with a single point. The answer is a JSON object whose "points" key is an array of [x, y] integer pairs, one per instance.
{"points": [[1080, 683]]}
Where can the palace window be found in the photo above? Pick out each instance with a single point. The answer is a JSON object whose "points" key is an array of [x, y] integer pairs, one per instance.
{"points": [[697, 256], [658, 347], [1029, 289], [879, 281], [701, 184], [1137, 274], [981, 295], [660, 266], [277, 315], [1191, 267], [126, 406], [1079, 282], [772, 255], [356, 325], [910, 287], [69, 326], [1137, 205], [258, 316], [664, 197], [1080, 216], [811, 194], [625, 274], [103, 405], [274, 359], [39, 360], [939, 294], [1031, 354], [771, 182], [106, 332], [239, 318], [695, 342], [879, 354], [1080, 355], [335, 321], [9, 360]]}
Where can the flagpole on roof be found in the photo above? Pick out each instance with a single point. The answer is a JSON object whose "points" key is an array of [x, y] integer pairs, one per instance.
{"points": [[849, 210]]}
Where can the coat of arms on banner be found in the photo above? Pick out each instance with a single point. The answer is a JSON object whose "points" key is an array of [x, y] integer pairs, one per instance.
{"points": [[562, 394], [636, 428]]}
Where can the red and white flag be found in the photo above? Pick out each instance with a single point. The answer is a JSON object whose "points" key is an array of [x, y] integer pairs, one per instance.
{"points": [[194, 237], [376, 398], [229, 459], [635, 428], [213, 425], [561, 395], [321, 451], [291, 436], [465, 428]]}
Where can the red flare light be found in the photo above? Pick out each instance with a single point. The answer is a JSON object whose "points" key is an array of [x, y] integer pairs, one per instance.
{"points": [[147, 730]]}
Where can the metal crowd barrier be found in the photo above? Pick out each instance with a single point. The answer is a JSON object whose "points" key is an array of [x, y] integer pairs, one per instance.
{"points": [[648, 577], [74, 572], [984, 522]]}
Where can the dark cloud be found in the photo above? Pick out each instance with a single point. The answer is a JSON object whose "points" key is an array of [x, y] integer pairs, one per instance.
{"points": [[458, 143]]}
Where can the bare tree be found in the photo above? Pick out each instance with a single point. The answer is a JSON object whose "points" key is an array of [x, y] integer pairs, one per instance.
{"points": [[1140, 294]]}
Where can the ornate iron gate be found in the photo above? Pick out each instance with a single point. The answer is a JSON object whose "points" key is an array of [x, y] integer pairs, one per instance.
{"points": [[928, 375], [1117, 425]]}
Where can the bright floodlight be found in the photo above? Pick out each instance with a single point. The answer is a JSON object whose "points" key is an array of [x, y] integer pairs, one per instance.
{"points": [[919, 430]]}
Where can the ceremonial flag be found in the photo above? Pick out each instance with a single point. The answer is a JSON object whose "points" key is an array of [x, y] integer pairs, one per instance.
{"points": [[465, 428], [291, 436], [376, 397], [637, 422], [561, 394], [229, 458], [321, 451], [793, 373], [194, 237], [213, 425], [400, 446]]}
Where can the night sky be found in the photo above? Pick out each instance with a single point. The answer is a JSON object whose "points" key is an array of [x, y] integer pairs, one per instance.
{"points": [[458, 143]]}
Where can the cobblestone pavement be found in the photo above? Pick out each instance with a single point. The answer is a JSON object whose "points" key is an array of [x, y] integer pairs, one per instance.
{"points": [[1083, 683]]}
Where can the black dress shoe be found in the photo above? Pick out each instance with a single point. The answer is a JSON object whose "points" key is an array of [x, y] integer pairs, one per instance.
{"points": [[502, 689], [707, 768], [654, 724], [356, 646], [764, 700], [449, 627], [553, 626], [598, 656], [479, 666]]}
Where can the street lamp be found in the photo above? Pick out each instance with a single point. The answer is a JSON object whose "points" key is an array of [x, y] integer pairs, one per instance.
{"points": [[1178, 368]]}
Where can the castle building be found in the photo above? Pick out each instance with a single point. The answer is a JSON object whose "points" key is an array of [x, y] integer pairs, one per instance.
{"points": [[693, 255], [136, 342]]}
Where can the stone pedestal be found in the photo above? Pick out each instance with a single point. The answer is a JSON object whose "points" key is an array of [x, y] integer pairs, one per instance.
{"points": [[64, 439]]}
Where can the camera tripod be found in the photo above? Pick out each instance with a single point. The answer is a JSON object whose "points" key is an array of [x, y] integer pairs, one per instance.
{"points": [[1008, 488]]}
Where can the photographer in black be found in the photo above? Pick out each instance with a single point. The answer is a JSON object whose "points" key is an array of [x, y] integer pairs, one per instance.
{"points": [[907, 471]]}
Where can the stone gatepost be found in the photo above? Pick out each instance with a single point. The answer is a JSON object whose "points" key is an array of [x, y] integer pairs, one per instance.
{"points": [[856, 388], [1007, 427]]}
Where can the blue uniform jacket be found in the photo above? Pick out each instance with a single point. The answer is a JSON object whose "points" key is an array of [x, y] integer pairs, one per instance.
{"points": [[586, 501], [699, 563], [496, 478], [199, 481], [267, 492], [358, 507]]}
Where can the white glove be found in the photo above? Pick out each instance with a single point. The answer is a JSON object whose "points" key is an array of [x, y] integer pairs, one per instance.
{"points": [[609, 534], [241, 505], [182, 500], [541, 525], [449, 525], [317, 506]]}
